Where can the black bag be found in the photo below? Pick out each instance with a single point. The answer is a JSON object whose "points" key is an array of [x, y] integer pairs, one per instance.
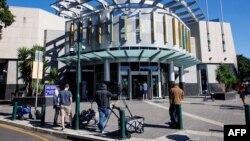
{"points": [[38, 114]]}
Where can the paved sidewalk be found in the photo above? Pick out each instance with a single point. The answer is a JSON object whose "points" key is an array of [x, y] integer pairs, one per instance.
{"points": [[202, 121]]}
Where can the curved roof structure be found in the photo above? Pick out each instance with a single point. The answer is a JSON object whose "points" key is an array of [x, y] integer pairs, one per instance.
{"points": [[147, 54], [188, 11]]}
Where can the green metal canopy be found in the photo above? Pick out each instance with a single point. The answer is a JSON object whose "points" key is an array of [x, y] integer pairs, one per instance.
{"points": [[179, 58]]}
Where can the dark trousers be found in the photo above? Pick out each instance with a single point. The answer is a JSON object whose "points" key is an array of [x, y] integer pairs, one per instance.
{"points": [[173, 112], [57, 110]]}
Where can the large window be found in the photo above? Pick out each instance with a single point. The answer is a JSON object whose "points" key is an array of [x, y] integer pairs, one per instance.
{"points": [[124, 67]]}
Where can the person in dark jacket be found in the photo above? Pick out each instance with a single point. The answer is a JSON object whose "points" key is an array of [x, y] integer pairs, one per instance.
{"points": [[102, 100]]}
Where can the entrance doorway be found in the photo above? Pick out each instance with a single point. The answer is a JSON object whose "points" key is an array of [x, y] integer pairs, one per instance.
{"points": [[137, 81]]}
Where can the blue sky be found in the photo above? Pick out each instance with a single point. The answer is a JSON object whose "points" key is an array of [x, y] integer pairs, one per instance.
{"points": [[235, 12]]}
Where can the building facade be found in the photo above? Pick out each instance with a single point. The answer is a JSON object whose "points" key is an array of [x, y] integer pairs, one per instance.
{"points": [[131, 42], [124, 43], [28, 29]]}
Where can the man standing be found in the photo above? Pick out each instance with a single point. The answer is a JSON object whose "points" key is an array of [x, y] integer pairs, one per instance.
{"points": [[102, 100], [145, 90], [65, 98], [176, 95], [56, 105]]}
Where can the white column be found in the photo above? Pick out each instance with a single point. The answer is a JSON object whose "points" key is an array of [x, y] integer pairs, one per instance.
{"points": [[159, 81], [181, 78], [181, 74], [171, 71], [106, 70]]}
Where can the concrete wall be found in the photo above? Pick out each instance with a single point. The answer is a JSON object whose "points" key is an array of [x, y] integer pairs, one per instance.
{"points": [[216, 54], [54, 44], [27, 30]]}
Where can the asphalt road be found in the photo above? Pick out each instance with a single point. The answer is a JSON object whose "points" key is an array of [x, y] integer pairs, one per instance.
{"points": [[10, 133]]}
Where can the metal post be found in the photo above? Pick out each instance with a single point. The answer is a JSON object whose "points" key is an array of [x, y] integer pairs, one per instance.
{"points": [[36, 90], [122, 124], [78, 80], [38, 58], [43, 115], [247, 114], [180, 126], [14, 111]]}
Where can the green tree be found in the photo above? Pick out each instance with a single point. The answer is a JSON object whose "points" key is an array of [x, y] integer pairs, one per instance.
{"points": [[53, 75], [223, 75], [243, 67], [26, 57], [5, 14]]}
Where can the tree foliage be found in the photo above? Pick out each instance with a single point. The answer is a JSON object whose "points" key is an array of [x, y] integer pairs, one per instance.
{"points": [[243, 67], [53, 75], [223, 75], [26, 57], [5, 14]]}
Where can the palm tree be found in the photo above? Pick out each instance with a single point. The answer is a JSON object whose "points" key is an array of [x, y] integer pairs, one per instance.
{"points": [[53, 75], [26, 57]]}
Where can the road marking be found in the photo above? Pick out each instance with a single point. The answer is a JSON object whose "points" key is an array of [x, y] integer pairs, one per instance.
{"points": [[190, 115], [22, 131]]}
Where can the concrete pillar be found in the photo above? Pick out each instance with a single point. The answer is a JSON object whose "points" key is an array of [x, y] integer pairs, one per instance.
{"points": [[171, 74], [159, 81], [106, 70], [181, 78], [199, 80]]}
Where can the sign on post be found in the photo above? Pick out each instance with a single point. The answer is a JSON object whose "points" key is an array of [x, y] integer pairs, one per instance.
{"points": [[37, 70], [50, 90]]}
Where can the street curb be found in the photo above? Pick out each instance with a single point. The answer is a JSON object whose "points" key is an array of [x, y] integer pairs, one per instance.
{"points": [[54, 133]]}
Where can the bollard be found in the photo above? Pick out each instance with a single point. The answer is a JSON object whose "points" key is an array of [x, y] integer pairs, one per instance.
{"points": [[43, 115], [14, 111], [247, 114], [180, 126], [122, 124]]}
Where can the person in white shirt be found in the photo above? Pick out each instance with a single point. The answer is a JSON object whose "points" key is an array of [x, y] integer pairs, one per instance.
{"points": [[56, 105]]}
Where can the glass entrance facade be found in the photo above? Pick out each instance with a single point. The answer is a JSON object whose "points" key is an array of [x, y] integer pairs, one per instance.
{"points": [[129, 77]]}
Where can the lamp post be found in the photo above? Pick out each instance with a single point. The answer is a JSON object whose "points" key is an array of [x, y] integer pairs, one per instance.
{"points": [[78, 75]]}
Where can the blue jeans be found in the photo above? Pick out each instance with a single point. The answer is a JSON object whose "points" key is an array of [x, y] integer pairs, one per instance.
{"points": [[103, 116]]}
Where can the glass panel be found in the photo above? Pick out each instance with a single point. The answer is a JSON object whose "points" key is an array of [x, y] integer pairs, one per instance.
{"points": [[134, 66], [124, 66], [124, 87], [146, 66], [165, 28], [155, 85], [153, 27], [174, 31]]}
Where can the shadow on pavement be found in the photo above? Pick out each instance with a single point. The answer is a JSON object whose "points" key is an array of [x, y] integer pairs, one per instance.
{"points": [[155, 126], [5, 114], [197, 103], [231, 107], [215, 130], [178, 137]]}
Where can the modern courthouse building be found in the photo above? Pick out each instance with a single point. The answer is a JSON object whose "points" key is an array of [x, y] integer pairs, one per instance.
{"points": [[125, 42]]}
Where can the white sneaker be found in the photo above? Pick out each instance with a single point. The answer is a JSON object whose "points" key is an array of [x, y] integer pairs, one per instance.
{"points": [[103, 132]]}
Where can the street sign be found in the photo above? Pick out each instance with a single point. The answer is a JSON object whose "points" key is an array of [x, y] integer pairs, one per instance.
{"points": [[38, 56], [50, 90], [37, 72]]}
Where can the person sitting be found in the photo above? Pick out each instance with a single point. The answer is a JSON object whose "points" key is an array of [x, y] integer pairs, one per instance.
{"points": [[23, 110]]}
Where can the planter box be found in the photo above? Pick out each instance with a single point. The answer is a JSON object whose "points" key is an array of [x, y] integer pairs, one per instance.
{"points": [[48, 101], [224, 95]]}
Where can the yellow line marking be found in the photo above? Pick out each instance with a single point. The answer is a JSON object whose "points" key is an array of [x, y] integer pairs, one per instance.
{"points": [[23, 131]]}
